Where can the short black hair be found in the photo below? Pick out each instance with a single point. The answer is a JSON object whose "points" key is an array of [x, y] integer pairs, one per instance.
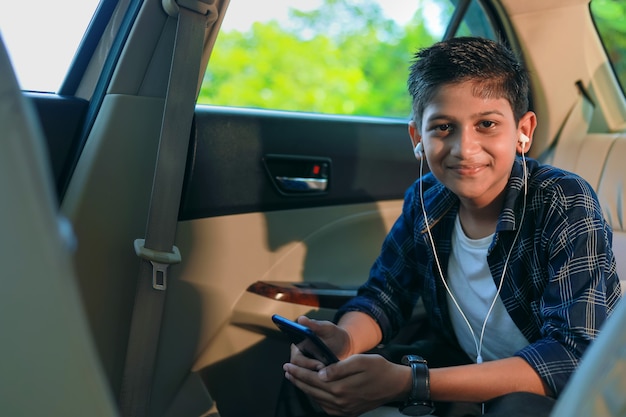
{"points": [[492, 66]]}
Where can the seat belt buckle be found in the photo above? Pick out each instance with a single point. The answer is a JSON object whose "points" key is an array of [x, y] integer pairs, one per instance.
{"points": [[160, 262]]}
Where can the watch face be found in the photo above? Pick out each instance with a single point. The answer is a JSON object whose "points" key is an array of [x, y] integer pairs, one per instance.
{"points": [[407, 359], [417, 409]]}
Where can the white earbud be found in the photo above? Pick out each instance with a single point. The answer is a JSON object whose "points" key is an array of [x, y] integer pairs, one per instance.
{"points": [[523, 139], [419, 150]]}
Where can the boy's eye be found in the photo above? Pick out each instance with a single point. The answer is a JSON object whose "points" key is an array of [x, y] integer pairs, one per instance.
{"points": [[444, 127], [487, 124]]}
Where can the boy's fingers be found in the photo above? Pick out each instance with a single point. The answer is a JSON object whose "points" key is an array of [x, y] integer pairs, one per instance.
{"points": [[298, 358], [304, 375]]}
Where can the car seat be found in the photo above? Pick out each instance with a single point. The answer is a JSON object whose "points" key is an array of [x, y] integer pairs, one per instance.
{"points": [[49, 362]]}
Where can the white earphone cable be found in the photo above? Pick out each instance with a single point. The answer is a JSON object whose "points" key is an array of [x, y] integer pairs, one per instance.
{"points": [[477, 343]]}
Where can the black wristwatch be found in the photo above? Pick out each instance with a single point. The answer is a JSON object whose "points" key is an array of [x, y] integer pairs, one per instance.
{"points": [[418, 403]]}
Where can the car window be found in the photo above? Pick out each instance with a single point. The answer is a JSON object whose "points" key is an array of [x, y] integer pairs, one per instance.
{"points": [[609, 19], [42, 45], [346, 57], [476, 21]]}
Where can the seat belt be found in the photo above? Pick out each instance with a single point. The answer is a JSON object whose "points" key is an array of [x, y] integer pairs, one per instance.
{"points": [[575, 125], [157, 250]]}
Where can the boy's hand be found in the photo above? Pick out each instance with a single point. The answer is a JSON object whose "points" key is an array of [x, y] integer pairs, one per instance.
{"points": [[357, 384], [335, 338]]}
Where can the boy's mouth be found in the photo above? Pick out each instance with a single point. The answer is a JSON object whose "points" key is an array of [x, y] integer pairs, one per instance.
{"points": [[467, 169]]}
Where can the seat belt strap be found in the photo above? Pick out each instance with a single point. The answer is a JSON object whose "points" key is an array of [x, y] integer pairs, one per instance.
{"points": [[157, 250], [575, 125]]}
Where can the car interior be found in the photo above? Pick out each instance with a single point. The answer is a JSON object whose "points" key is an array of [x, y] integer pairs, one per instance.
{"points": [[148, 239]]}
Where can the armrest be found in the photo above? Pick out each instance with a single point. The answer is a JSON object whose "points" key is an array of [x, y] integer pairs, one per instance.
{"points": [[315, 294]]}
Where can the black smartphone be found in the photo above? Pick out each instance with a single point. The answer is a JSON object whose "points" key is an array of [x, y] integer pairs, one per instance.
{"points": [[306, 340]]}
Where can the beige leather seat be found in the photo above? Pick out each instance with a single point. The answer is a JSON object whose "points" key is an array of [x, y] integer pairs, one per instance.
{"points": [[49, 364]]}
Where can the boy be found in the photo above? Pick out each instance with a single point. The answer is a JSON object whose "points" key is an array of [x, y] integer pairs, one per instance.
{"points": [[512, 259]]}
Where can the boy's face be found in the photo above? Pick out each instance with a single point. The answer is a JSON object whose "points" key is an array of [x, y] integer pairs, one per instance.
{"points": [[470, 142]]}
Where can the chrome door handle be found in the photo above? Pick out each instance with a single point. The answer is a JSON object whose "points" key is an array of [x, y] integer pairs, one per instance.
{"points": [[299, 175], [296, 184]]}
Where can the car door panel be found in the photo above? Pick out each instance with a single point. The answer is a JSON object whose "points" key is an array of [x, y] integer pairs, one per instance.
{"points": [[369, 160], [238, 229]]}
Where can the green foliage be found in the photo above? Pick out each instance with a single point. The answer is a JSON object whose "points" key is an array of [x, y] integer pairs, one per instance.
{"points": [[342, 58], [609, 16]]}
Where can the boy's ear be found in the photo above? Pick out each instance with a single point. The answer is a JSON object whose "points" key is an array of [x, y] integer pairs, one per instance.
{"points": [[416, 140], [414, 134], [526, 129]]}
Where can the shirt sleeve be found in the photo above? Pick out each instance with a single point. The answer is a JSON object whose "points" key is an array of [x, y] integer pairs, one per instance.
{"points": [[582, 286]]}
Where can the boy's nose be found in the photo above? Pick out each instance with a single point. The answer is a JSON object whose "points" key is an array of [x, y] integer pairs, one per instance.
{"points": [[465, 144]]}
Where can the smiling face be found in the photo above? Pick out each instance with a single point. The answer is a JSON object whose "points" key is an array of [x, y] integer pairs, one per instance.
{"points": [[470, 142]]}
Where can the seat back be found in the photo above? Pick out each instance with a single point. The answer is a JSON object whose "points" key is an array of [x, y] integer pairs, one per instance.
{"points": [[49, 363]]}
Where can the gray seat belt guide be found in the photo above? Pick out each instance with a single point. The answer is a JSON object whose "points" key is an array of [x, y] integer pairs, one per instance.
{"points": [[157, 250]]}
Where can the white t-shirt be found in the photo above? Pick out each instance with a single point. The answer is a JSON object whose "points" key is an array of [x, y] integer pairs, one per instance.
{"points": [[474, 289]]}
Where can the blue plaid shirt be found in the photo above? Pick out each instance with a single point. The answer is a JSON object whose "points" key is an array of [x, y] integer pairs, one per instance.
{"points": [[560, 285]]}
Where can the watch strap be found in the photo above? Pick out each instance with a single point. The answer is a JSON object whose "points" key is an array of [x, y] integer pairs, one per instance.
{"points": [[420, 386], [418, 402]]}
